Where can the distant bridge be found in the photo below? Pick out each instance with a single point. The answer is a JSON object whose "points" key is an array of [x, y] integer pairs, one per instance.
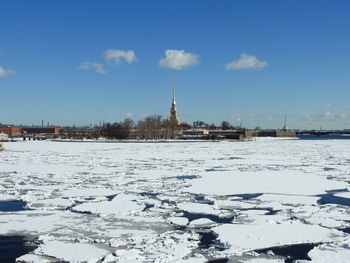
{"points": [[320, 133]]}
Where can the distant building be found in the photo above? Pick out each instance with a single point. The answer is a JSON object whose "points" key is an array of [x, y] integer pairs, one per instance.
{"points": [[11, 130], [82, 132], [42, 130], [196, 131]]}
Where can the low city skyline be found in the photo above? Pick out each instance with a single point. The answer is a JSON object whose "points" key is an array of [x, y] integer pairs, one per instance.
{"points": [[249, 63]]}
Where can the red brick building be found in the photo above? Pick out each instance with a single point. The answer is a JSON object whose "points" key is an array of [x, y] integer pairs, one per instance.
{"points": [[11, 130], [42, 130]]}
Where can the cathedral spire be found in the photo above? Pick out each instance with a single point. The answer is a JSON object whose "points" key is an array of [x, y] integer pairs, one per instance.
{"points": [[174, 119], [285, 123]]}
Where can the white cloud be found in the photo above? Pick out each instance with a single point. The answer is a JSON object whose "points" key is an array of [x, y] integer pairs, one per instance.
{"points": [[328, 105], [117, 56], [178, 59], [326, 114], [246, 62], [237, 117], [129, 114], [306, 117], [92, 65], [342, 116], [6, 72]]}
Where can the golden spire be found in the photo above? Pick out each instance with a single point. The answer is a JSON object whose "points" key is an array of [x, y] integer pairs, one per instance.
{"points": [[173, 112]]}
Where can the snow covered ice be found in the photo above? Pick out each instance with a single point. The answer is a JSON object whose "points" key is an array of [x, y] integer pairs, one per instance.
{"points": [[152, 202]]}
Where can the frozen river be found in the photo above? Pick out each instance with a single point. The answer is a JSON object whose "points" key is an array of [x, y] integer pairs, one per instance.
{"points": [[267, 200]]}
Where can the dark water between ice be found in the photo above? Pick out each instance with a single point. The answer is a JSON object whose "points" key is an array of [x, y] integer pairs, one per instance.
{"points": [[207, 239], [292, 252], [12, 247], [345, 230], [221, 260], [12, 206], [201, 199], [187, 177], [331, 199], [194, 216]]}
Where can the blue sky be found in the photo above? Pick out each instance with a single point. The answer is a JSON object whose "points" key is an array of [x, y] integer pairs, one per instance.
{"points": [[249, 62]]}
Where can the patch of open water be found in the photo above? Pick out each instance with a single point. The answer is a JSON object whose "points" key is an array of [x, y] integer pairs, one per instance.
{"points": [[246, 196], [110, 197], [221, 220], [291, 252], [345, 230], [187, 177], [331, 199], [12, 206], [207, 239], [201, 199], [151, 195], [12, 247], [220, 260]]}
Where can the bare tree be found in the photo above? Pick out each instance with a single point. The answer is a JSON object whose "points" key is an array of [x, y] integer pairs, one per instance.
{"points": [[141, 128], [152, 124], [225, 125], [115, 131], [128, 124], [150, 127]]}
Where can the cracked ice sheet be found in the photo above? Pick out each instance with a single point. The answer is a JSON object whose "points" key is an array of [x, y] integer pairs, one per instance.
{"points": [[344, 195], [289, 199], [331, 216], [277, 182], [319, 255], [88, 192], [243, 238], [52, 203], [169, 247], [72, 252], [122, 204], [198, 208]]}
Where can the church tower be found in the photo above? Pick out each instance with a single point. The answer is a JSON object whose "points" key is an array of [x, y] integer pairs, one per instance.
{"points": [[173, 118]]}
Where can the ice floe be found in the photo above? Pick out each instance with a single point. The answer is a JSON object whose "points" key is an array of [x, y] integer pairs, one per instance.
{"points": [[269, 182], [122, 204], [243, 238], [324, 255], [72, 252]]}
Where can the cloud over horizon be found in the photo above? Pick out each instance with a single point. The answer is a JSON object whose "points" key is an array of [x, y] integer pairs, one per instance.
{"points": [[6, 72], [246, 62], [325, 117], [178, 59], [99, 68], [117, 56]]}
